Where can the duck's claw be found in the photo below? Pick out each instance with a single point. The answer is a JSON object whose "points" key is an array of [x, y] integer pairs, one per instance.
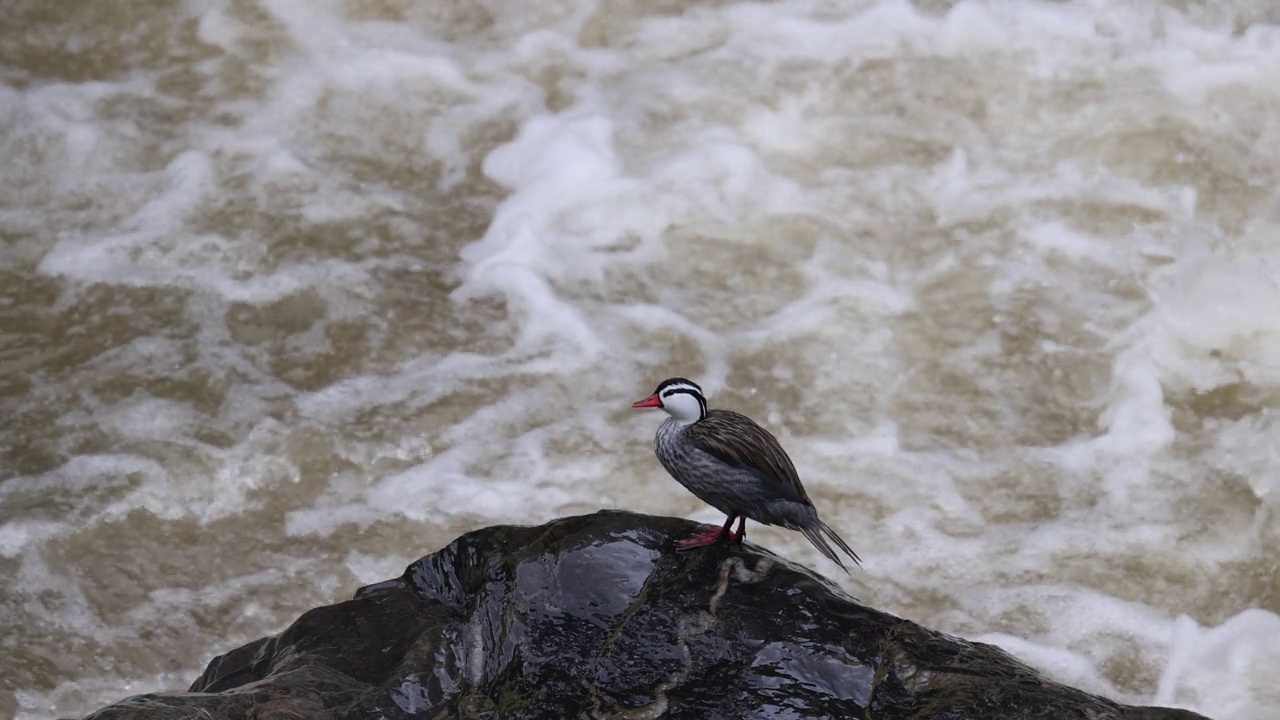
{"points": [[707, 535]]}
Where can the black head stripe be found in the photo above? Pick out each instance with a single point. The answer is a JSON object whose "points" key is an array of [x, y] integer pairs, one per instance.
{"points": [[676, 381]]}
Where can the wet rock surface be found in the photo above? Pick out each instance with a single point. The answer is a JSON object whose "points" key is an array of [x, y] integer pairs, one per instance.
{"points": [[598, 616]]}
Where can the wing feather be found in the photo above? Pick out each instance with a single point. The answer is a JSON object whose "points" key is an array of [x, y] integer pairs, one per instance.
{"points": [[738, 441]]}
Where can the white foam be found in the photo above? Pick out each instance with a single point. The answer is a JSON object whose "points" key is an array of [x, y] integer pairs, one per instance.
{"points": [[369, 569], [142, 418], [83, 475], [1227, 667], [1072, 667], [18, 534], [1208, 331]]}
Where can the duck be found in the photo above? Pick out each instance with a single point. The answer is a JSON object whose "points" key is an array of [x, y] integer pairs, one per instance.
{"points": [[733, 464]]}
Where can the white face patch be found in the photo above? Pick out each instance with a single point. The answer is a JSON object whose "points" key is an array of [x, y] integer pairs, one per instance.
{"points": [[683, 402]]}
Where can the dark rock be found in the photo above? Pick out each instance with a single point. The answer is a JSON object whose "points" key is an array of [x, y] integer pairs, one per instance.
{"points": [[598, 616]]}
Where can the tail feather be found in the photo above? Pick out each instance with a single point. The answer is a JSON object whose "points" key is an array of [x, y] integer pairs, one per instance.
{"points": [[819, 533]]}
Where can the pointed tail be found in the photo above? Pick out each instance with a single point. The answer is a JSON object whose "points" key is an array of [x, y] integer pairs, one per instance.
{"points": [[821, 535]]}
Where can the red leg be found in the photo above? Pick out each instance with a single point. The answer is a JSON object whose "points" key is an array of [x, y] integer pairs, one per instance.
{"points": [[709, 536]]}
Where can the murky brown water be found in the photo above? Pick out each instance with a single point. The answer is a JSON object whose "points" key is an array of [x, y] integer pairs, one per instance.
{"points": [[293, 293]]}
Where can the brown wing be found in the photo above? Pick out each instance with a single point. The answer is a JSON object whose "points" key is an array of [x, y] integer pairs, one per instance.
{"points": [[737, 440]]}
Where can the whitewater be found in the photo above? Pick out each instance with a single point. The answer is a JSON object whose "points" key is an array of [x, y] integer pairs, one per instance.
{"points": [[293, 292]]}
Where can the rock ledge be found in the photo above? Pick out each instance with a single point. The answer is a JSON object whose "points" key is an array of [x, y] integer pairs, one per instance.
{"points": [[597, 616]]}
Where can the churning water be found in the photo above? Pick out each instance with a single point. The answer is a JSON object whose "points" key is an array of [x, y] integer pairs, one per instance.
{"points": [[294, 291]]}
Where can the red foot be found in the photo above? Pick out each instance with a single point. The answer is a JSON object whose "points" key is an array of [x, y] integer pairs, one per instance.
{"points": [[709, 535]]}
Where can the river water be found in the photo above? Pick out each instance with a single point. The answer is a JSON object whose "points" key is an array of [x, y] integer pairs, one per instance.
{"points": [[295, 291]]}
